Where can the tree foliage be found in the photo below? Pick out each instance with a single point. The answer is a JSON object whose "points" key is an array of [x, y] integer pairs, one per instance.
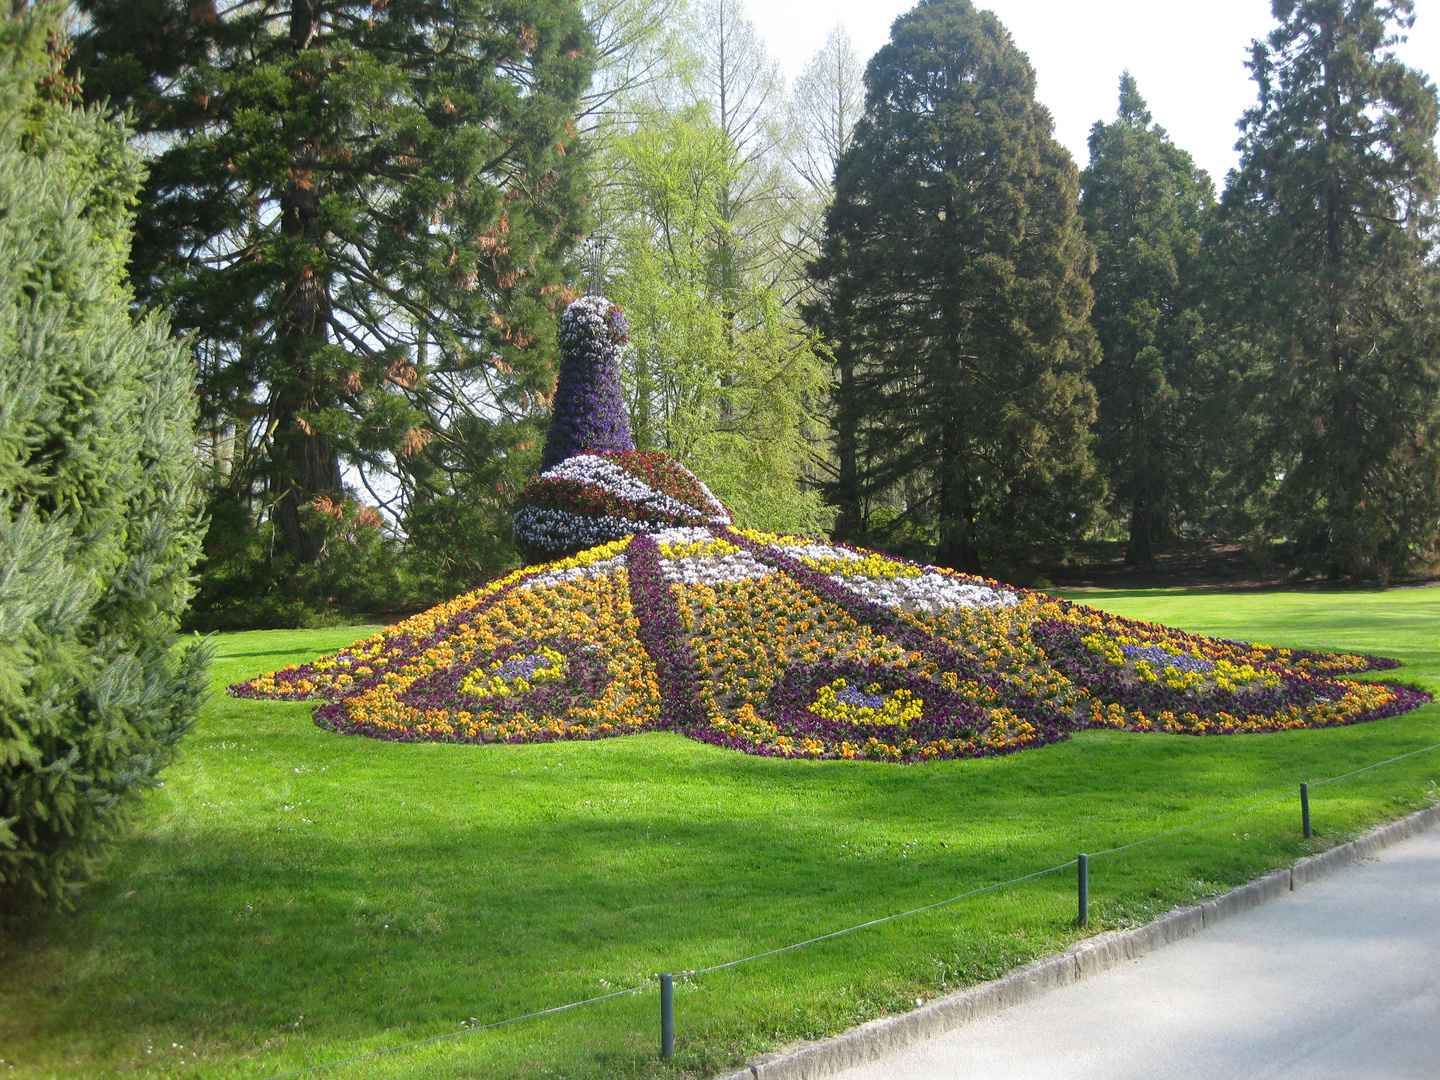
{"points": [[99, 527], [954, 282], [826, 103], [694, 202], [1330, 227], [741, 83], [1145, 207], [716, 373], [361, 213]]}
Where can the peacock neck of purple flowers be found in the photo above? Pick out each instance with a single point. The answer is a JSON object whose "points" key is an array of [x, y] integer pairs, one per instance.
{"points": [[589, 411]]}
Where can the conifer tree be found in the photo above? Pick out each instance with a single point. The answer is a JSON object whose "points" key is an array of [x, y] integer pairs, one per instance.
{"points": [[362, 212], [953, 277], [1145, 204], [1330, 225], [99, 524]]}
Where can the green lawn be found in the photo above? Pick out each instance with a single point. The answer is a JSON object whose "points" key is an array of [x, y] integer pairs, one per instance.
{"points": [[293, 896]]}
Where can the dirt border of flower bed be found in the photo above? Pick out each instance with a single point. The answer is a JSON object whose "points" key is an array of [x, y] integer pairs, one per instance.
{"points": [[879, 1038]]}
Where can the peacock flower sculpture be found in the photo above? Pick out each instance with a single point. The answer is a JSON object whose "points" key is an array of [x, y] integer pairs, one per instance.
{"points": [[594, 485], [648, 609]]}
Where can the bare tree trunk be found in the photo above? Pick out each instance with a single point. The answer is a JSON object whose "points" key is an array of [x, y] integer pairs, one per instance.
{"points": [[1146, 531], [1149, 524], [957, 548]]}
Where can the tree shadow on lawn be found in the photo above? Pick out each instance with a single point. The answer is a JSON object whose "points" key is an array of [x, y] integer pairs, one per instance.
{"points": [[1081, 594], [239, 930], [228, 657], [506, 893], [324, 639], [226, 937]]}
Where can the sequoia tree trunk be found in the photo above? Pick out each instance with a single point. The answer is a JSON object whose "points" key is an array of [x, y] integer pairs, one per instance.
{"points": [[846, 496], [957, 547], [303, 462]]}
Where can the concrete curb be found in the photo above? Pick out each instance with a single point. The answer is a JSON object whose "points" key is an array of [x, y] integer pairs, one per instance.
{"points": [[878, 1038]]}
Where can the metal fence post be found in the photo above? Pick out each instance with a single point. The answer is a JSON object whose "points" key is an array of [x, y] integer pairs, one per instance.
{"points": [[1082, 867], [1305, 808], [667, 1016]]}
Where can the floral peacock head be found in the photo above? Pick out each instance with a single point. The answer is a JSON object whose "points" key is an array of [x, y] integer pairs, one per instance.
{"points": [[589, 411], [594, 486]]}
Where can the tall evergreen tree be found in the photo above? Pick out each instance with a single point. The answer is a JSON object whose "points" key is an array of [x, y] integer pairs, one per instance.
{"points": [[1145, 206], [99, 525], [1331, 222], [361, 211], [953, 277]]}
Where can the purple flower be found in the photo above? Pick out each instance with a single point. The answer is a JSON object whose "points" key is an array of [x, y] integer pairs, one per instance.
{"points": [[664, 637], [1064, 648], [586, 676], [853, 695], [1160, 658], [945, 714], [589, 410]]}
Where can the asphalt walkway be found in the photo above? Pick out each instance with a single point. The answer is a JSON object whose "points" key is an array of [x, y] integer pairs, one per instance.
{"points": [[1338, 979]]}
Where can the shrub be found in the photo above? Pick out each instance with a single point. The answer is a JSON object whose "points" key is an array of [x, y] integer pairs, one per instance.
{"points": [[99, 529], [248, 584]]}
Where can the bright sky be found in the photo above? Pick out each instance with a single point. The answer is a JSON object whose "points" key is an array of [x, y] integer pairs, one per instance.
{"points": [[1187, 55]]}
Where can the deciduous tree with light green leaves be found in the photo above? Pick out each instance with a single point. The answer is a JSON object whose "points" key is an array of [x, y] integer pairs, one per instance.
{"points": [[1145, 207], [99, 516], [693, 241], [716, 373], [1329, 250]]}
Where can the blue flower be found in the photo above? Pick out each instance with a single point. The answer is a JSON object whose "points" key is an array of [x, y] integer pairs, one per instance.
{"points": [[1161, 659]]}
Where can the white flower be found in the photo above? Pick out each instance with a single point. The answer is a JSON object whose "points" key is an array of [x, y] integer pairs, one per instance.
{"points": [[597, 569], [713, 569], [559, 530], [819, 552], [933, 591], [682, 535], [610, 477]]}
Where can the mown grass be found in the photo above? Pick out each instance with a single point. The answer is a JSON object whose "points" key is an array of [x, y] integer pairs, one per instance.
{"points": [[292, 897]]}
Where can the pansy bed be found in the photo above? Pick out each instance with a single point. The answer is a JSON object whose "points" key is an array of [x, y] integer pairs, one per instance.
{"points": [[789, 647]]}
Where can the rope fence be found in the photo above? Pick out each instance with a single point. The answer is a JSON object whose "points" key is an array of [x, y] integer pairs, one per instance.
{"points": [[666, 981]]}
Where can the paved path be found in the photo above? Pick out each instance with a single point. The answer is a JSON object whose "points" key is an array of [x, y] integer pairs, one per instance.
{"points": [[1339, 980]]}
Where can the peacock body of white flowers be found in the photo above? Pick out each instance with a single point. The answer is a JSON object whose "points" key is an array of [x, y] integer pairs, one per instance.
{"points": [[560, 530], [610, 477]]}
